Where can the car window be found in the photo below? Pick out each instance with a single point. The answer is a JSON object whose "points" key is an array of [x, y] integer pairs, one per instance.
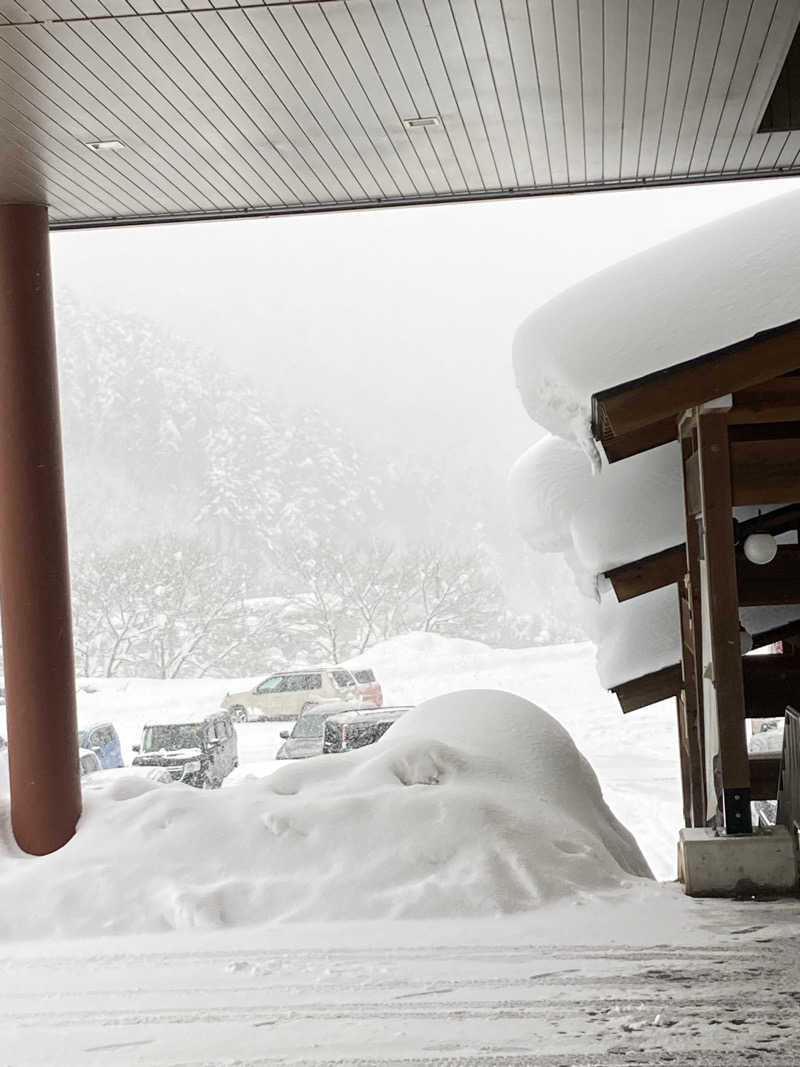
{"points": [[171, 738], [101, 737], [363, 677], [302, 682], [343, 679], [309, 726], [276, 683]]}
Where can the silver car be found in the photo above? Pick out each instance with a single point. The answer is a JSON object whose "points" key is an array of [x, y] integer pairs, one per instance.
{"points": [[307, 736]]}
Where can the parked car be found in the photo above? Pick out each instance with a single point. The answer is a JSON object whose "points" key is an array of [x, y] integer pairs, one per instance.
{"points": [[288, 694], [102, 739], [368, 686], [355, 729], [306, 736], [89, 762], [200, 752], [3, 743]]}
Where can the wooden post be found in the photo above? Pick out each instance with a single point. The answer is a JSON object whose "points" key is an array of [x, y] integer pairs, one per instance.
{"points": [[34, 580], [691, 646], [683, 749], [719, 587]]}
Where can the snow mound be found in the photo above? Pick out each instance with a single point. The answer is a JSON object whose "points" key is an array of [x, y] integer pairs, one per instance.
{"points": [[476, 803], [408, 651], [694, 294]]}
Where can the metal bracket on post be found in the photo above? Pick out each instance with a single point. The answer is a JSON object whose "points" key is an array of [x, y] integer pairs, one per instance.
{"points": [[738, 813]]}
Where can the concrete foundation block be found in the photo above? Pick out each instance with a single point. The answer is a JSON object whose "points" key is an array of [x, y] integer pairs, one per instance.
{"points": [[762, 862]]}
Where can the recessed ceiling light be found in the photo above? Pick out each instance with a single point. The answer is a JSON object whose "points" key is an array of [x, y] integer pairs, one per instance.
{"points": [[105, 146], [431, 120]]}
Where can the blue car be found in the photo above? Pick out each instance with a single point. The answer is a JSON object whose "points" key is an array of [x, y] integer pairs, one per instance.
{"points": [[102, 739]]}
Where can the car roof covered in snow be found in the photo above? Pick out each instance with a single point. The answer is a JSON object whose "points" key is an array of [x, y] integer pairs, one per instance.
{"points": [[186, 717], [308, 670], [331, 707], [370, 715]]}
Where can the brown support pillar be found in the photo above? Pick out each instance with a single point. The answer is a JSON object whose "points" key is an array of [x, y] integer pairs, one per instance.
{"points": [[683, 751], [691, 646], [720, 588], [34, 577]]}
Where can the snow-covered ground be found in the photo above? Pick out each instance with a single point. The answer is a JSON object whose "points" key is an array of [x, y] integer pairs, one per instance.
{"points": [[644, 977], [635, 757], [601, 967]]}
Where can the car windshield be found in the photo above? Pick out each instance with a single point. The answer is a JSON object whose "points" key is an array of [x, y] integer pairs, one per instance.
{"points": [[171, 738], [364, 676], [309, 726]]}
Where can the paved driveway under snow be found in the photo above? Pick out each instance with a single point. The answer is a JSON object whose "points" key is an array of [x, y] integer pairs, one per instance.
{"points": [[575, 986]]}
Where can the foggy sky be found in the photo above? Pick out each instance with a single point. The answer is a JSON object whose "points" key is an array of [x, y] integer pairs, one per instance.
{"points": [[396, 321]]}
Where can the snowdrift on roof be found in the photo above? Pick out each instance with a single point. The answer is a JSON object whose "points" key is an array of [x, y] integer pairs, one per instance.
{"points": [[476, 803], [693, 294], [620, 513]]}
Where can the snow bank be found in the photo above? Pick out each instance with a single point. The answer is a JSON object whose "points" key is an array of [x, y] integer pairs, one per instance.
{"points": [[698, 292], [477, 803]]}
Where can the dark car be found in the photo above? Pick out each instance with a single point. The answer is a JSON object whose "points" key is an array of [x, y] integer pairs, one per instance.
{"points": [[102, 739], [355, 729], [200, 753], [306, 736]]}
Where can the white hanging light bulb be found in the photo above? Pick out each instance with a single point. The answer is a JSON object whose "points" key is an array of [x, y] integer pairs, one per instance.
{"points": [[760, 548]]}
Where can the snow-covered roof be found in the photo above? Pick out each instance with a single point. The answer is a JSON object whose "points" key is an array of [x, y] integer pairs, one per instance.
{"points": [[608, 518], [693, 294], [690, 296], [643, 635]]}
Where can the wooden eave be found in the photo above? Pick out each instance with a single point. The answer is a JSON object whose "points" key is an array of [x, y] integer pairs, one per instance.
{"points": [[759, 372], [771, 682], [669, 566]]}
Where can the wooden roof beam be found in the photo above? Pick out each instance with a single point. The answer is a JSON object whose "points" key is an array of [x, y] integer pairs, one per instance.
{"points": [[649, 573], [770, 682], [649, 688], [765, 471], [663, 568], [667, 393], [777, 400]]}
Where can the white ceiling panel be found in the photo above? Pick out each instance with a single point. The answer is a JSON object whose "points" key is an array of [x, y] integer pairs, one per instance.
{"points": [[227, 107]]}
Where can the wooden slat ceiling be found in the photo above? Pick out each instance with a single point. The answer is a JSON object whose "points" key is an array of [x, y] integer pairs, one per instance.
{"points": [[226, 108]]}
